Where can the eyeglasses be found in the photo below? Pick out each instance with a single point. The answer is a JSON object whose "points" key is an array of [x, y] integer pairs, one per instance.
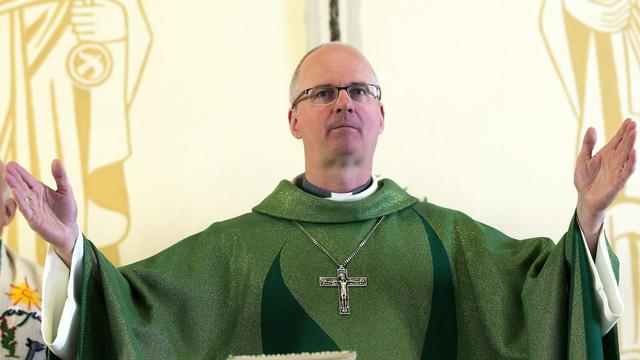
{"points": [[326, 94]]}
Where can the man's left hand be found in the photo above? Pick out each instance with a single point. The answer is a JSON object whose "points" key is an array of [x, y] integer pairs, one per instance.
{"points": [[599, 178]]}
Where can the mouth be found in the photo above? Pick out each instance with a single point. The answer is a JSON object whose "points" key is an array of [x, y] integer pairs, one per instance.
{"points": [[344, 127], [344, 130], [344, 123]]}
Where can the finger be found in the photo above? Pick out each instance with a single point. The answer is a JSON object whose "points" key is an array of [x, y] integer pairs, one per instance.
{"points": [[12, 176], [628, 142], [588, 143], [60, 176], [631, 162], [617, 138], [17, 183], [24, 205], [21, 173], [628, 168]]}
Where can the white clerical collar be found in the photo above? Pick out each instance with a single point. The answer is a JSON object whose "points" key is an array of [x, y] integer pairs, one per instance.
{"points": [[360, 193], [353, 197]]}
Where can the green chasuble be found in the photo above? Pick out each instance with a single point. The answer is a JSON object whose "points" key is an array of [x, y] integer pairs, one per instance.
{"points": [[440, 286]]}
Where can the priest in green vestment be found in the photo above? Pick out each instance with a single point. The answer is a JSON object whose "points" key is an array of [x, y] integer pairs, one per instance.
{"points": [[339, 260]]}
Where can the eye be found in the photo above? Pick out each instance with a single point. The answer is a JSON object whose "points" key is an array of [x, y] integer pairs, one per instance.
{"points": [[322, 95], [358, 92]]}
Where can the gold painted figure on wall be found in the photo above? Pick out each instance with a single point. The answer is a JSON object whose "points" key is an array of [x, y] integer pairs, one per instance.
{"points": [[595, 49], [70, 71]]}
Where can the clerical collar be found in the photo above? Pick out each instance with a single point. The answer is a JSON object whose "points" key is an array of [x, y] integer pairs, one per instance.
{"points": [[360, 193]]}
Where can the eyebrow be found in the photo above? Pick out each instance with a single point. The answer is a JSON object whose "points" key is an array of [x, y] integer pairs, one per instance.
{"points": [[334, 85]]}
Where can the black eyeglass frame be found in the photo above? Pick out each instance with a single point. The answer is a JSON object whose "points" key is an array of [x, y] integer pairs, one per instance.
{"points": [[346, 88]]}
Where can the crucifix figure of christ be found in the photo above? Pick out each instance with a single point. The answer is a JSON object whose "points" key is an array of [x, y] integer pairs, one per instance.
{"points": [[343, 282]]}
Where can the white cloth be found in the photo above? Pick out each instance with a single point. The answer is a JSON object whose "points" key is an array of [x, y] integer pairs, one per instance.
{"points": [[608, 298], [346, 197], [20, 313], [60, 299]]}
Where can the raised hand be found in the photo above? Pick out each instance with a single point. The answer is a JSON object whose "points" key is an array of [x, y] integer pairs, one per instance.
{"points": [[599, 178], [51, 213]]}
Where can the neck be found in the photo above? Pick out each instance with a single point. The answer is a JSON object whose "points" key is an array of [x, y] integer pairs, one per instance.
{"points": [[341, 180]]}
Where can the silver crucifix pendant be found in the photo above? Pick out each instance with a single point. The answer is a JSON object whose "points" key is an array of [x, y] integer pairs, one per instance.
{"points": [[343, 282]]}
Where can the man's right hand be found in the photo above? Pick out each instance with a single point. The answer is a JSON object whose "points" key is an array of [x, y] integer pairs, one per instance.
{"points": [[51, 213]]}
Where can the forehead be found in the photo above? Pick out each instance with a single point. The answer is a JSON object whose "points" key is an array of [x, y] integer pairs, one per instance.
{"points": [[337, 65]]}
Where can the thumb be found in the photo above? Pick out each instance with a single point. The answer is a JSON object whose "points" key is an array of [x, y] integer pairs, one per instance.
{"points": [[60, 176], [588, 143]]}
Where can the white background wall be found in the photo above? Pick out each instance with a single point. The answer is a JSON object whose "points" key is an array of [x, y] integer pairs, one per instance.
{"points": [[476, 119]]}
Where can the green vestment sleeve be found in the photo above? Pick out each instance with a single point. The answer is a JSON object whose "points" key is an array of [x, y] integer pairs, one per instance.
{"points": [[531, 298], [440, 285]]}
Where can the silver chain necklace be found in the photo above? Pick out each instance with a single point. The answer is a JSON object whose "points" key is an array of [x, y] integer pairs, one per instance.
{"points": [[342, 281]]}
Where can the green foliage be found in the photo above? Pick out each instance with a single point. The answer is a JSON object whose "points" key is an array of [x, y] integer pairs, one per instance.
{"points": [[8, 337]]}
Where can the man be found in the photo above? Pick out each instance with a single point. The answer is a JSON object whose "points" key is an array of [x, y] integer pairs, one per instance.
{"points": [[421, 281], [20, 280]]}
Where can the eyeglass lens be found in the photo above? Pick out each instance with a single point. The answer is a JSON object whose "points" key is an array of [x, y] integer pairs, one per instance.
{"points": [[327, 95]]}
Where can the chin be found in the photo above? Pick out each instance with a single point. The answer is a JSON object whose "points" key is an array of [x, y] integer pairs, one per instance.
{"points": [[347, 150], [346, 156]]}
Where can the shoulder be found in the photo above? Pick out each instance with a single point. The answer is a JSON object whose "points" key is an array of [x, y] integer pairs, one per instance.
{"points": [[454, 225], [432, 212], [243, 223], [448, 224], [241, 227], [240, 236]]}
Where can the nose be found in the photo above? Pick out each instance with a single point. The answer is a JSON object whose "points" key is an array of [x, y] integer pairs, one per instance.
{"points": [[344, 102]]}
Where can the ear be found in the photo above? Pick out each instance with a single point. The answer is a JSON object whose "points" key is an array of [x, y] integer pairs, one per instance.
{"points": [[293, 124], [381, 129], [9, 211]]}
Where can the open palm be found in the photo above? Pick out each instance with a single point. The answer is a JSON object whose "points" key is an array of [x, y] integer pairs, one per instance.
{"points": [[50, 213], [600, 177]]}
